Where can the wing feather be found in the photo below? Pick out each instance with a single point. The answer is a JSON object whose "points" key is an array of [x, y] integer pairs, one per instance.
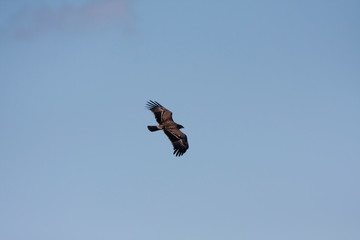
{"points": [[178, 140], [161, 114]]}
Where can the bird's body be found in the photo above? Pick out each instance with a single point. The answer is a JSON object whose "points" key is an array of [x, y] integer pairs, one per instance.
{"points": [[164, 117]]}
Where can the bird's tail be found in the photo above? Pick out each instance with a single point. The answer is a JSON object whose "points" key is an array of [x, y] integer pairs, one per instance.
{"points": [[153, 128]]}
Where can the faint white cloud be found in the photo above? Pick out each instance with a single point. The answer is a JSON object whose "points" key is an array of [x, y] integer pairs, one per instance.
{"points": [[90, 15]]}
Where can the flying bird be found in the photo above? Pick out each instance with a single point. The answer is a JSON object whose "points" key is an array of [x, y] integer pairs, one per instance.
{"points": [[170, 128]]}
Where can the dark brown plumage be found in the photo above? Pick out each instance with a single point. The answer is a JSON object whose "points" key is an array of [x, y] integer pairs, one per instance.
{"points": [[170, 128]]}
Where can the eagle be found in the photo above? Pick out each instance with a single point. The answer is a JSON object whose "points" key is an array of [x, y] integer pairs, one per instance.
{"points": [[170, 128]]}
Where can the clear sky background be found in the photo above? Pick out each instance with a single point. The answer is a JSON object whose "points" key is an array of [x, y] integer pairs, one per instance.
{"points": [[268, 92]]}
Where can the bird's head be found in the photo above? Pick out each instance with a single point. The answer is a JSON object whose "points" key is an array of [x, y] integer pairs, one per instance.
{"points": [[180, 126]]}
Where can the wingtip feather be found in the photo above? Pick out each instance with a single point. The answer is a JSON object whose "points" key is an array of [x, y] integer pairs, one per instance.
{"points": [[152, 104], [178, 152]]}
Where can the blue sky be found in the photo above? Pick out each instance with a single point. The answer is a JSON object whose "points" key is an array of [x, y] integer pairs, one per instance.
{"points": [[268, 93]]}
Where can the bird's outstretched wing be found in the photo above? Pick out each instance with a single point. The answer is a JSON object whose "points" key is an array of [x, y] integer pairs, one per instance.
{"points": [[178, 140], [161, 113]]}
